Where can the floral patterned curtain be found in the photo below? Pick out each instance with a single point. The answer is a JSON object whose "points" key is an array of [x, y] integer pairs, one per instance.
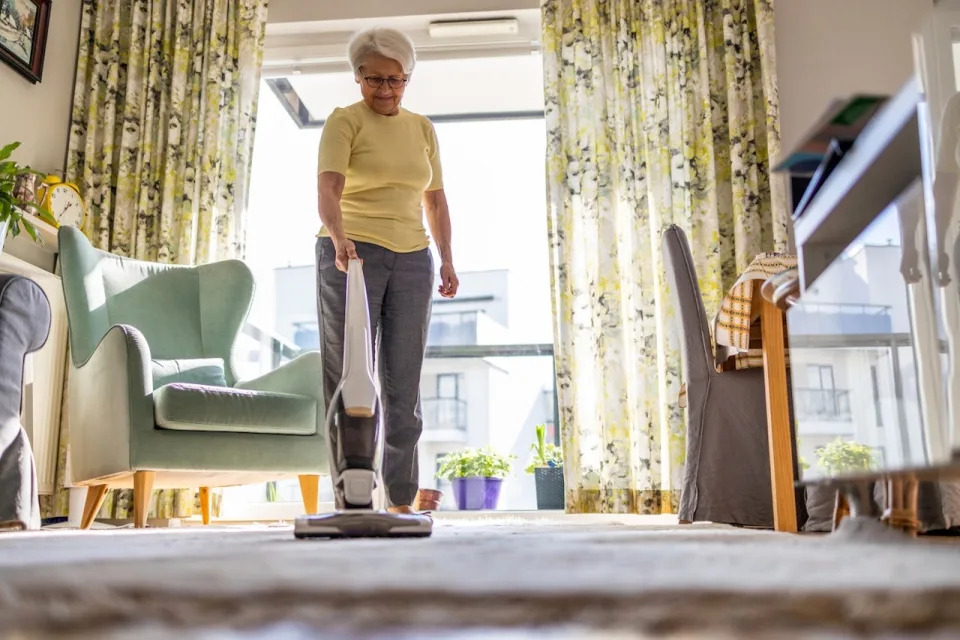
{"points": [[161, 140], [658, 112]]}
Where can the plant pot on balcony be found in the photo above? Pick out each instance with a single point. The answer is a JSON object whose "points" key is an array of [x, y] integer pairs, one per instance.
{"points": [[475, 493], [549, 482], [475, 476], [547, 470]]}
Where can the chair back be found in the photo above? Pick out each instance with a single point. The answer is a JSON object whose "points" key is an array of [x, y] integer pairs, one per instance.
{"points": [[695, 344], [182, 311]]}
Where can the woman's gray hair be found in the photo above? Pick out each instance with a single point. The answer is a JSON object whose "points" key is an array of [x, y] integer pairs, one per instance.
{"points": [[389, 43]]}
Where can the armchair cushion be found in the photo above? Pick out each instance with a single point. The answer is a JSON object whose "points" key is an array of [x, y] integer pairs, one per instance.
{"points": [[205, 371], [194, 407]]}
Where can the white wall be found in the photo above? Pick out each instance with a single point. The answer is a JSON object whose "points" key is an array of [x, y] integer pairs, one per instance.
{"points": [[825, 48], [311, 38], [835, 48], [306, 11], [38, 115]]}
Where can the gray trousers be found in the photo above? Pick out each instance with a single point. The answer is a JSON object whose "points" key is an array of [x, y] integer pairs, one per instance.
{"points": [[399, 293]]}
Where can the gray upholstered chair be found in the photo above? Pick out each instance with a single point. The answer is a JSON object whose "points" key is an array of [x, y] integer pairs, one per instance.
{"points": [[24, 326], [726, 476], [153, 396]]}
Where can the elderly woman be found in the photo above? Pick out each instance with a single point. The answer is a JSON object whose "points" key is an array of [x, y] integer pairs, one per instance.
{"points": [[379, 170]]}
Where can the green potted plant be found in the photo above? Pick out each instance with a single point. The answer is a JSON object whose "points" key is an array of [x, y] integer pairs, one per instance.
{"points": [[801, 461], [547, 469], [840, 457], [13, 200], [835, 458], [476, 476]]}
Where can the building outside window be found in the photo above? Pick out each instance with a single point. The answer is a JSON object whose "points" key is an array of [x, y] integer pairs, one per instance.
{"points": [[487, 380]]}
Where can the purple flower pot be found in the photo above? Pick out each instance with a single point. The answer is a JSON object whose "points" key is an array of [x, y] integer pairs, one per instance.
{"points": [[476, 493]]}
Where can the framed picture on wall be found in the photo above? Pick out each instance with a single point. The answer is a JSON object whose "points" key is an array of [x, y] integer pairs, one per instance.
{"points": [[23, 35]]}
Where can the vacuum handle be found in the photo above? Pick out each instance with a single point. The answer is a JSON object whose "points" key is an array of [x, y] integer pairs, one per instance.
{"points": [[358, 389]]}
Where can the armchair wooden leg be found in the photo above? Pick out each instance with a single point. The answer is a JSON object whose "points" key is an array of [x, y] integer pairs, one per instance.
{"points": [[205, 504], [310, 490], [142, 490], [91, 507]]}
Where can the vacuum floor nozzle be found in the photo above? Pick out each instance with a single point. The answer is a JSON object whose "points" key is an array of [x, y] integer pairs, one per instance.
{"points": [[362, 523]]}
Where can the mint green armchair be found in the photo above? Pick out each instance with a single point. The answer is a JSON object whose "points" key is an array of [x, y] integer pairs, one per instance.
{"points": [[153, 396]]}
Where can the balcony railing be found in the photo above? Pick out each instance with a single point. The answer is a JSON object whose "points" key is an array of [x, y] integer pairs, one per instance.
{"points": [[447, 414], [269, 351], [823, 404], [840, 318], [260, 351], [453, 329], [484, 351]]}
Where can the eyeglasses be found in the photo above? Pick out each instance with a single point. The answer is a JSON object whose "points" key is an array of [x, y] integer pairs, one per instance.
{"points": [[374, 82]]}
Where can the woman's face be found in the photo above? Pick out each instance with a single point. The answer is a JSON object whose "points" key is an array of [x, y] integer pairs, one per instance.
{"points": [[384, 99]]}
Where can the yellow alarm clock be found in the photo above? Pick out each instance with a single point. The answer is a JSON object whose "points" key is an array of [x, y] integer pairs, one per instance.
{"points": [[63, 200]]}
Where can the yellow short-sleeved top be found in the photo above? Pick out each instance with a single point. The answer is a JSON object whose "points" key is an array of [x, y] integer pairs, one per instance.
{"points": [[388, 162]]}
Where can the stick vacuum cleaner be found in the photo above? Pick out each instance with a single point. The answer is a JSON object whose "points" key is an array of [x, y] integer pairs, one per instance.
{"points": [[355, 439]]}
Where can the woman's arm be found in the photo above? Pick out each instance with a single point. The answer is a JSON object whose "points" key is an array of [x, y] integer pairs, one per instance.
{"points": [[329, 191], [438, 218]]}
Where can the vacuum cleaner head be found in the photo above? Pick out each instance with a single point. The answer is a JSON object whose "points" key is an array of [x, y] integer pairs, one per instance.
{"points": [[362, 523]]}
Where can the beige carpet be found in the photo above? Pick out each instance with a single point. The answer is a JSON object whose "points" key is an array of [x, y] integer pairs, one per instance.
{"points": [[579, 578]]}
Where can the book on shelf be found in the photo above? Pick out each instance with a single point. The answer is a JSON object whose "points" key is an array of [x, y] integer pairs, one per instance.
{"points": [[835, 152], [841, 123]]}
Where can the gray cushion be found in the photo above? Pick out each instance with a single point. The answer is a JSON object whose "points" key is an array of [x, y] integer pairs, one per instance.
{"points": [[207, 371], [24, 325], [194, 407]]}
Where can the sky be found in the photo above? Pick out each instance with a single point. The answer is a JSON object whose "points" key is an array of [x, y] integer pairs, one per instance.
{"points": [[495, 185]]}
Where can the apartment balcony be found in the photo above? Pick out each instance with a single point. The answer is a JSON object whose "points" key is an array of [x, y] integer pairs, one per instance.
{"points": [[839, 319], [453, 329], [464, 328], [444, 420], [822, 404]]}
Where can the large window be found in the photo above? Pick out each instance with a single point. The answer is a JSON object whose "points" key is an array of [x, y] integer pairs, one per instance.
{"points": [[488, 377]]}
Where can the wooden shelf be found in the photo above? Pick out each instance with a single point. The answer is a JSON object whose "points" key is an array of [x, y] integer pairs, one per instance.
{"points": [[884, 161], [40, 255], [12, 264], [46, 231]]}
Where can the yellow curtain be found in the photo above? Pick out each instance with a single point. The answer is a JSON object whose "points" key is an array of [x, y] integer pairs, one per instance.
{"points": [[161, 140], [658, 112]]}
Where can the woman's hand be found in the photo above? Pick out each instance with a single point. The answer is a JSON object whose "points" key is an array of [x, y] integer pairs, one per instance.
{"points": [[438, 217], [448, 281], [346, 251]]}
